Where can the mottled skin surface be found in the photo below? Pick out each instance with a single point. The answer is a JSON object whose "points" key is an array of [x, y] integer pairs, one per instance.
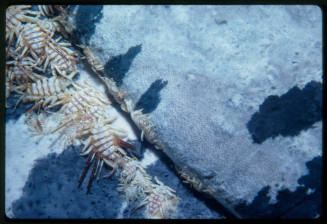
{"points": [[221, 66]]}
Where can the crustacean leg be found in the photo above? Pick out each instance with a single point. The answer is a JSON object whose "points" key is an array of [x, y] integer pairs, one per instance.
{"points": [[95, 171], [86, 168], [99, 157], [93, 174], [124, 144]]}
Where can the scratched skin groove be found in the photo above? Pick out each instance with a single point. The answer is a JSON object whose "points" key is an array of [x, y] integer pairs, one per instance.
{"points": [[83, 115]]}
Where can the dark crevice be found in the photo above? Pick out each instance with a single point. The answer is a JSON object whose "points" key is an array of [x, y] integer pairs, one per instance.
{"points": [[288, 114], [165, 168], [12, 113]]}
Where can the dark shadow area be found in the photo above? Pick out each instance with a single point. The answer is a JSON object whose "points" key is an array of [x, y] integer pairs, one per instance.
{"points": [[192, 204], [13, 114], [288, 114], [295, 205], [51, 191], [139, 152], [118, 66], [151, 98], [86, 17]]}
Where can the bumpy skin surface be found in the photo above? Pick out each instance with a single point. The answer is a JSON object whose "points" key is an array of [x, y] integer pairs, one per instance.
{"points": [[218, 84], [83, 115]]}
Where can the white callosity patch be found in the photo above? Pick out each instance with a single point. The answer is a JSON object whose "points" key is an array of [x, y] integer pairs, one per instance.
{"points": [[149, 158]]}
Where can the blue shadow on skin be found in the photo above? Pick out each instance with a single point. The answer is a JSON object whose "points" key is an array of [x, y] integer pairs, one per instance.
{"points": [[288, 114], [151, 98], [51, 191], [86, 17], [294, 205], [118, 66], [14, 114]]}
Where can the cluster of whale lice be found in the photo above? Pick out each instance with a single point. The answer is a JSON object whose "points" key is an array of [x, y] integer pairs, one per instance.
{"points": [[41, 68]]}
